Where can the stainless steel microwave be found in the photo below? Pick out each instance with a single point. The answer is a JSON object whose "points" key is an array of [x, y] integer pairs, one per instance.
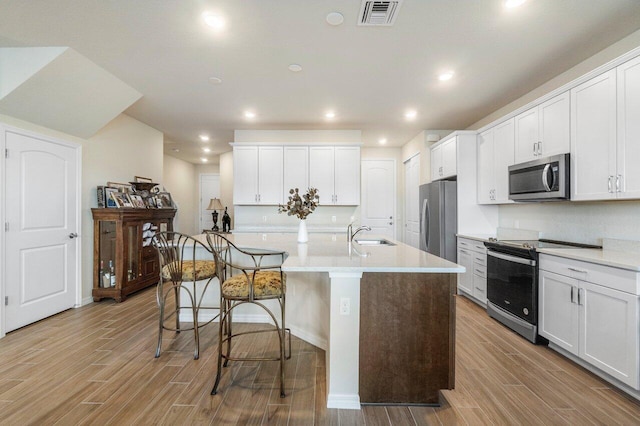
{"points": [[544, 179]]}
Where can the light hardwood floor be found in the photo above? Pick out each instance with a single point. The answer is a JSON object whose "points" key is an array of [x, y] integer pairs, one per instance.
{"points": [[95, 365]]}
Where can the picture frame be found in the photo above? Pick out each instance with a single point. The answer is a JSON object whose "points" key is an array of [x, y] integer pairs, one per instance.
{"points": [[164, 200], [150, 202], [110, 202], [123, 187], [122, 199], [137, 201], [142, 179]]}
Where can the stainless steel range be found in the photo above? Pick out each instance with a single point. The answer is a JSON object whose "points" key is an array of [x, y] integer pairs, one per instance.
{"points": [[512, 283]]}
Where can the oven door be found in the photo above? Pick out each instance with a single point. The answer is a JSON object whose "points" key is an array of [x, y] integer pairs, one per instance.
{"points": [[511, 284]]}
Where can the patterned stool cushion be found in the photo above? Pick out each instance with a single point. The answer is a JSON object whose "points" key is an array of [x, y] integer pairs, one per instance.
{"points": [[266, 283], [204, 269]]}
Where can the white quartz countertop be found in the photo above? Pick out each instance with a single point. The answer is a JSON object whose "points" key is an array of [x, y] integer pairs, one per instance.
{"points": [[613, 258], [332, 253]]}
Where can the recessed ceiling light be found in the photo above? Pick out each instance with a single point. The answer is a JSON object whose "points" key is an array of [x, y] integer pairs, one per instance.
{"points": [[215, 80], [204, 138], [330, 115], [204, 160], [382, 141], [295, 67], [249, 114], [335, 18], [215, 21], [410, 114], [206, 149], [446, 76], [510, 4]]}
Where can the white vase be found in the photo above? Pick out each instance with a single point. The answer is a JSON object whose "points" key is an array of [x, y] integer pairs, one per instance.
{"points": [[303, 235]]}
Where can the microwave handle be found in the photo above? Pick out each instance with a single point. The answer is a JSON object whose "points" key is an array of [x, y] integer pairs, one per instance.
{"points": [[545, 181]]}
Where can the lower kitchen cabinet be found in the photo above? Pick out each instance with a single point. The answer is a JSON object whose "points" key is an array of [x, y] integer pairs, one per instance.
{"points": [[473, 256], [592, 320]]}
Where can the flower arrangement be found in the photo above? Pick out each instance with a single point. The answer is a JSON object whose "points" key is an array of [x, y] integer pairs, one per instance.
{"points": [[300, 206]]}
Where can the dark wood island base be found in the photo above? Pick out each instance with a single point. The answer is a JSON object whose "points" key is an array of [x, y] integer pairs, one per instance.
{"points": [[407, 337]]}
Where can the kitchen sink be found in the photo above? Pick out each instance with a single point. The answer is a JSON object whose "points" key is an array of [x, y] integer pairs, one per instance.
{"points": [[373, 242]]}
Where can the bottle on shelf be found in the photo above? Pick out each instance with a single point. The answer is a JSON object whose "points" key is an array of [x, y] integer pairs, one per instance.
{"points": [[112, 275]]}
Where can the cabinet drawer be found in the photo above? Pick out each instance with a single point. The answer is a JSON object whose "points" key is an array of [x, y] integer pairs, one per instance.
{"points": [[479, 247], [606, 276], [480, 259], [464, 243], [480, 270]]}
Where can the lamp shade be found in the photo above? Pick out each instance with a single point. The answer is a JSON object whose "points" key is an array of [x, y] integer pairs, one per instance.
{"points": [[215, 204]]}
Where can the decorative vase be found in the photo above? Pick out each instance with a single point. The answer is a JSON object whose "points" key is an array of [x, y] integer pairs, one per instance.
{"points": [[303, 235]]}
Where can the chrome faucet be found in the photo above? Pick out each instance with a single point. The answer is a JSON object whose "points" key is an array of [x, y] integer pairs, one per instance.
{"points": [[351, 233]]}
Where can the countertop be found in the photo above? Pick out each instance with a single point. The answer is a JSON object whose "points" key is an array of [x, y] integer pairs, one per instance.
{"points": [[477, 237], [332, 253]]}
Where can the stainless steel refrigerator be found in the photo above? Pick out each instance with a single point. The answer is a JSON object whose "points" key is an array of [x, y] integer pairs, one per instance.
{"points": [[439, 219]]}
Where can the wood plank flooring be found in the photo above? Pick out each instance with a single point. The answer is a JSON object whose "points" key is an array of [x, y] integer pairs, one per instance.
{"points": [[95, 365]]}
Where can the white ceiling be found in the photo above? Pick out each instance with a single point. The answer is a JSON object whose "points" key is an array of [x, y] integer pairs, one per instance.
{"points": [[368, 75]]}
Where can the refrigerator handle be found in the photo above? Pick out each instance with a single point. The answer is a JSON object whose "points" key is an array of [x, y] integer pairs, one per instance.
{"points": [[425, 222]]}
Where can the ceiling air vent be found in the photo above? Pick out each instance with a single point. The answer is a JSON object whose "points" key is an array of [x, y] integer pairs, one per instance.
{"points": [[378, 13]]}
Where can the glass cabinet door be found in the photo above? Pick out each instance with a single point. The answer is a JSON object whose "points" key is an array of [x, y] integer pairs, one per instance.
{"points": [[132, 234], [107, 254]]}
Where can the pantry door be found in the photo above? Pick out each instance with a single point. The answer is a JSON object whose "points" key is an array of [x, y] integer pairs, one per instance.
{"points": [[42, 188], [378, 206]]}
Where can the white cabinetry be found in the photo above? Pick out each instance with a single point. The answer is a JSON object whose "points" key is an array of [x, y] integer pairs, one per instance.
{"points": [[472, 255], [296, 168], [258, 174], [495, 155], [543, 130], [628, 134], [443, 159], [592, 311], [335, 172]]}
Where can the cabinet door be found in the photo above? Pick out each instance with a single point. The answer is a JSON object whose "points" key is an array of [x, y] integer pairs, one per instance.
{"points": [[270, 162], [526, 135], [321, 172], [436, 163], [465, 281], [593, 138], [609, 331], [245, 176], [449, 161], [503, 147], [485, 167], [628, 135], [557, 313], [554, 125], [296, 168], [347, 175]]}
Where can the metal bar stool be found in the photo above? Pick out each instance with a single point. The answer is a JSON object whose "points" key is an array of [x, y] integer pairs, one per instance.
{"points": [[258, 277], [179, 266]]}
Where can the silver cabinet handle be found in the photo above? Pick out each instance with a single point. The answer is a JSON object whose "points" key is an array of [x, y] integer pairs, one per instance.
{"points": [[573, 299], [579, 301], [609, 184], [580, 271], [464, 251], [534, 149], [73, 235], [618, 183], [539, 147]]}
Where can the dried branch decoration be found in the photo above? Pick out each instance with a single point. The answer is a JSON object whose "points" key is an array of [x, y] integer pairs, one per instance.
{"points": [[300, 206]]}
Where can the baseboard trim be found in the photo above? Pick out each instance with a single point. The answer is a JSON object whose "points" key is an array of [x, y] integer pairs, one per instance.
{"points": [[344, 401]]}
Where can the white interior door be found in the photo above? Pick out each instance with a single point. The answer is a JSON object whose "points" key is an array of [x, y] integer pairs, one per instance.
{"points": [[379, 196], [209, 188], [42, 198], [411, 200]]}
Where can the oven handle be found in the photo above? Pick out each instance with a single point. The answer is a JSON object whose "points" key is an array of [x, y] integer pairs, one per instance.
{"points": [[511, 258]]}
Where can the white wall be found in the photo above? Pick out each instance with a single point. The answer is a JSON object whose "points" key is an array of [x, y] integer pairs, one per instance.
{"points": [[179, 179], [420, 145]]}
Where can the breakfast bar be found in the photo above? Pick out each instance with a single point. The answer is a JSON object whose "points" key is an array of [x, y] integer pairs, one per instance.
{"points": [[383, 311]]}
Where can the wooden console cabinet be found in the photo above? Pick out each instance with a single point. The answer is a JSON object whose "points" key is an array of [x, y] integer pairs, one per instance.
{"points": [[124, 261]]}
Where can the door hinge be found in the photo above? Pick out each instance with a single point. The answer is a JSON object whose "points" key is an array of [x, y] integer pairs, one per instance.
{"points": [[6, 226], [6, 153], [6, 301]]}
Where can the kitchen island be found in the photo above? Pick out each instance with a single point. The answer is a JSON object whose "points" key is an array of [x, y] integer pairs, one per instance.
{"points": [[384, 314]]}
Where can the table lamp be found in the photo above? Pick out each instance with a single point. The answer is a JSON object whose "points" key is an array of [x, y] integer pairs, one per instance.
{"points": [[215, 205]]}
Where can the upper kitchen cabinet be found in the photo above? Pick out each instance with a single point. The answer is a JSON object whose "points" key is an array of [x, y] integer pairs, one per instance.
{"points": [[628, 135], [543, 130], [296, 168], [443, 159], [495, 155], [593, 139], [335, 172], [258, 175]]}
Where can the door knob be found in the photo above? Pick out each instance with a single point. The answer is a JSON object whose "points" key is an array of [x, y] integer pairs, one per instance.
{"points": [[390, 223], [73, 235]]}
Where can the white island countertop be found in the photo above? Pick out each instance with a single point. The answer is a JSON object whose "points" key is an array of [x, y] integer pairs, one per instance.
{"points": [[332, 253]]}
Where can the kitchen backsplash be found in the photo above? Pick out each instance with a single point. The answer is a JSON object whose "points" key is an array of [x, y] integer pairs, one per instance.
{"points": [[268, 216], [587, 222]]}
